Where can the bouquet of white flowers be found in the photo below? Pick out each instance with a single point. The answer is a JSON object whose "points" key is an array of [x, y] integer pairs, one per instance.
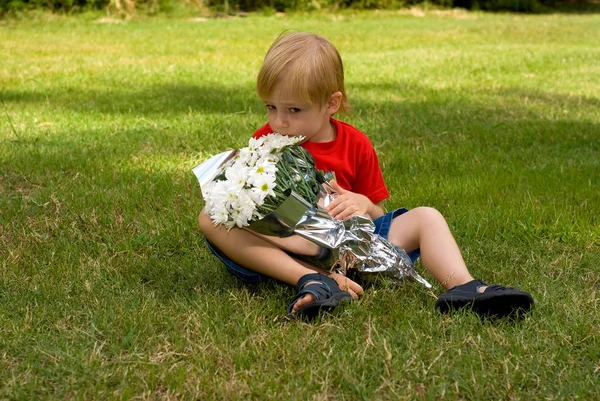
{"points": [[272, 187], [259, 178]]}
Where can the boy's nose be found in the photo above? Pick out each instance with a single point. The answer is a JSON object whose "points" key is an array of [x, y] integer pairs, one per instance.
{"points": [[281, 120]]}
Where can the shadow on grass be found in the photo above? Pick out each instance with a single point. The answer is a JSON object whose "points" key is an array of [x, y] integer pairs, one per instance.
{"points": [[458, 99], [161, 99], [159, 246], [226, 100]]}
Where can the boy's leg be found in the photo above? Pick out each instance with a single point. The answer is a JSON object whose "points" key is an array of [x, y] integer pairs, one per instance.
{"points": [[426, 228], [261, 256]]}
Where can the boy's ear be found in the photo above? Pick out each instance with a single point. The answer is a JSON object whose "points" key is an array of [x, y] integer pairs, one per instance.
{"points": [[335, 101]]}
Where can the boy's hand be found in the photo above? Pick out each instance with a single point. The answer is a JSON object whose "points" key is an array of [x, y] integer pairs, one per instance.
{"points": [[348, 204], [348, 285]]}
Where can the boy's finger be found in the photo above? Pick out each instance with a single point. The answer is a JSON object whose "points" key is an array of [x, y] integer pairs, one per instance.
{"points": [[337, 187], [349, 286], [346, 213], [355, 287], [335, 210], [346, 284]]}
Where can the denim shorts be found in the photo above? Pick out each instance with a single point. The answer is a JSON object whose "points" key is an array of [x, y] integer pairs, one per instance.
{"points": [[382, 227]]}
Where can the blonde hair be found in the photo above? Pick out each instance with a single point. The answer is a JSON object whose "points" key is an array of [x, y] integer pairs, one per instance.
{"points": [[310, 65]]}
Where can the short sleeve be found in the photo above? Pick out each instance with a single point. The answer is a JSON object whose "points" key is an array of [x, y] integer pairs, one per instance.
{"points": [[369, 178]]}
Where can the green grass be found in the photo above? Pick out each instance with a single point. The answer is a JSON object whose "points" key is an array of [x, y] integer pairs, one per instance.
{"points": [[107, 290]]}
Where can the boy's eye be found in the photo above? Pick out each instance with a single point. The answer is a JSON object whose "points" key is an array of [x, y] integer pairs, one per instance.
{"points": [[294, 110], [271, 107]]}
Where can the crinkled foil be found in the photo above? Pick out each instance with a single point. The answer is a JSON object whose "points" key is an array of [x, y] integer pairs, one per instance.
{"points": [[354, 249]]}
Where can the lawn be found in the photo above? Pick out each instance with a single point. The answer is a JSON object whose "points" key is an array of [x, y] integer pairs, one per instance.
{"points": [[107, 290]]}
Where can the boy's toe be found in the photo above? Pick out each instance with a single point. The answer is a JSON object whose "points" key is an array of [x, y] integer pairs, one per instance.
{"points": [[307, 299]]}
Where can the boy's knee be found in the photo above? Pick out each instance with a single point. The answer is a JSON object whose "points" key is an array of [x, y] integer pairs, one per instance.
{"points": [[429, 215], [204, 222]]}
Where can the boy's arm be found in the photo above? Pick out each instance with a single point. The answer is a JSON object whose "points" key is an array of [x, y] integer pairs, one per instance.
{"points": [[377, 211]]}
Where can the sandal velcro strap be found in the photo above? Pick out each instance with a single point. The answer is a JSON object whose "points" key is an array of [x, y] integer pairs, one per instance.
{"points": [[307, 278], [470, 287]]}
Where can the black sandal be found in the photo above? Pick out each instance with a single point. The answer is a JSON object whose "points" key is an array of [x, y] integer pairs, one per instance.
{"points": [[326, 291], [496, 300]]}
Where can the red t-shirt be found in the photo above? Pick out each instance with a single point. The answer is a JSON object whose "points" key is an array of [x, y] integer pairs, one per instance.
{"points": [[351, 156]]}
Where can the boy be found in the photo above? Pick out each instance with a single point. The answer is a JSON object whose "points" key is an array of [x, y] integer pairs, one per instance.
{"points": [[302, 85]]}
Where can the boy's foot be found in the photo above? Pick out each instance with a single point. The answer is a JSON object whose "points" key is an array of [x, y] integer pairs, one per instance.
{"points": [[495, 300], [325, 290]]}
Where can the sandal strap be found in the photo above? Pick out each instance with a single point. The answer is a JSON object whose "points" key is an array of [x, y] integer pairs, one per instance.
{"points": [[495, 288], [471, 286], [321, 278]]}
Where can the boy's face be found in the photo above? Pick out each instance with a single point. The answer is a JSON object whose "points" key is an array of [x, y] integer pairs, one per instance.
{"points": [[290, 115]]}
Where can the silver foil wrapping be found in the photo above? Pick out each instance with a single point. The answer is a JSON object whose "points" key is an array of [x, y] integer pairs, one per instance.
{"points": [[354, 249]]}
